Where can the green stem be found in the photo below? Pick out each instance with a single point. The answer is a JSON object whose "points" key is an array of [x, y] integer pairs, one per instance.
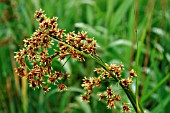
{"points": [[127, 90], [135, 35], [156, 88]]}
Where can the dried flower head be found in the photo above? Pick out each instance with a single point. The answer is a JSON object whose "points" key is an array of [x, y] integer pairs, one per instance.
{"points": [[85, 98], [117, 97], [46, 88], [126, 82], [125, 107], [101, 96], [132, 73], [62, 87], [89, 84]]}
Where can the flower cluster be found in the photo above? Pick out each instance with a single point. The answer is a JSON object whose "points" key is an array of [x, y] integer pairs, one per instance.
{"points": [[116, 70], [128, 81], [113, 68], [35, 59], [72, 44], [68, 43], [89, 84], [110, 97]]}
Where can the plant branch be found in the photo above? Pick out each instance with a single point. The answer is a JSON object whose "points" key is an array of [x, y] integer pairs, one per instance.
{"points": [[127, 90]]}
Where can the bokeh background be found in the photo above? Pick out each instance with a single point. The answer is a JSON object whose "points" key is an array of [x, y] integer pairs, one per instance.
{"points": [[112, 23]]}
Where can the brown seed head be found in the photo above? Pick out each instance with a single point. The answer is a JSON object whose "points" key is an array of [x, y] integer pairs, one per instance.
{"points": [[125, 107], [62, 87], [132, 73]]}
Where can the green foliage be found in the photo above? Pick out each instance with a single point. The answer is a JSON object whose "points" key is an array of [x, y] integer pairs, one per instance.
{"points": [[111, 23]]}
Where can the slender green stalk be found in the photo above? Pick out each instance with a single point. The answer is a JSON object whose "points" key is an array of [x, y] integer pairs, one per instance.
{"points": [[137, 63], [156, 88], [127, 90]]}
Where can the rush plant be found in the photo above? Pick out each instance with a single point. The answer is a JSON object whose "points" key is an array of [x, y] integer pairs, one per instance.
{"points": [[35, 63]]}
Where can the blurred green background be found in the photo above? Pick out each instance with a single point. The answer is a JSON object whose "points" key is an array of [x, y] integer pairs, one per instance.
{"points": [[112, 23]]}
